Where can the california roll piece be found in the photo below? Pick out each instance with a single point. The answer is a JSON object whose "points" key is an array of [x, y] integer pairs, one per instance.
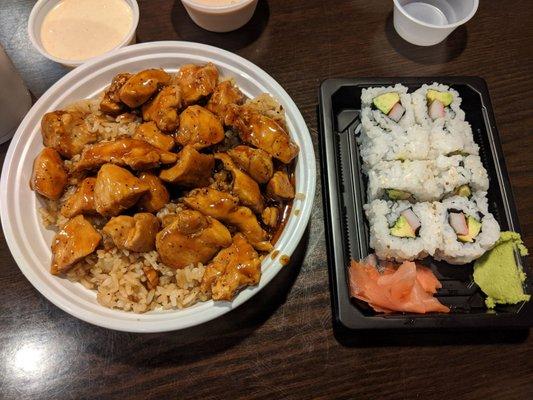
{"points": [[376, 144], [448, 137], [435, 103], [461, 176], [403, 180], [401, 230], [386, 108], [467, 229]]}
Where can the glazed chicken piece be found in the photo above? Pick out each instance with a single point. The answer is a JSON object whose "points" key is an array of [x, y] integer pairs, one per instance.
{"points": [[49, 176], [116, 189], [76, 240], [262, 132], [149, 132], [82, 201], [199, 128], [167, 219], [225, 93], [192, 169], [140, 87], [196, 81], [135, 233], [192, 238], [256, 162], [212, 202], [111, 103], [246, 222], [232, 268], [270, 217], [157, 197], [280, 187], [244, 187], [66, 132], [225, 207], [134, 153], [163, 108]]}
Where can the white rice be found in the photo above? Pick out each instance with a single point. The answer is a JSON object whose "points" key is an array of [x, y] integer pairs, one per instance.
{"points": [[376, 145], [456, 171], [416, 177], [107, 127], [268, 106], [453, 136], [120, 282]]}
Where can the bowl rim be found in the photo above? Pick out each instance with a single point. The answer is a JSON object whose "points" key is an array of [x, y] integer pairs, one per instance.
{"points": [[58, 290], [36, 42], [221, 9]]}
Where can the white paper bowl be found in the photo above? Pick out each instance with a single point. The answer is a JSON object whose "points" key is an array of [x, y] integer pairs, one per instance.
{"points": [[29, 242], [43, 7]]}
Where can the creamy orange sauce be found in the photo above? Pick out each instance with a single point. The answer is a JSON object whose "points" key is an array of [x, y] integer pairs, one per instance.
{"points": [[81, 29]]}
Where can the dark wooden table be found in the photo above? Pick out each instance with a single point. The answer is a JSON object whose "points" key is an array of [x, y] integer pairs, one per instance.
{"points": [[281, 344]]}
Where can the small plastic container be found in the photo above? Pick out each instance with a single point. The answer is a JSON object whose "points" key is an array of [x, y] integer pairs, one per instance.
{"points": [[223, 18], [428, 22], [43, 7]]}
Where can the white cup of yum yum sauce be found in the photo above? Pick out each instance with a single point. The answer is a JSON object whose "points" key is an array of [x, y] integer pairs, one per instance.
{"points": [[70, 32], [220, 15]]}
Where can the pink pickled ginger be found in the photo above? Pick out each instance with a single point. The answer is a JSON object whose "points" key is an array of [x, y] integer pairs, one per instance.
{"points": [[408, 288]]}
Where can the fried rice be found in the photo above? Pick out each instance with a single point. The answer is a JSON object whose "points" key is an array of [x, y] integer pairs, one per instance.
{"points": [[117, 275]]}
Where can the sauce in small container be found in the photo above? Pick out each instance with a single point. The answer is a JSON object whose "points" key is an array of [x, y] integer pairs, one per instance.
{"points": [[73, 31], [220, 15]]}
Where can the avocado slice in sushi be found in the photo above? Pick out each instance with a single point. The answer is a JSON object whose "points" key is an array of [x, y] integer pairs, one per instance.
{"points": [[401, 228], [395, 194], [445, 98], [386, 101], [463, 191], [474, 227]]}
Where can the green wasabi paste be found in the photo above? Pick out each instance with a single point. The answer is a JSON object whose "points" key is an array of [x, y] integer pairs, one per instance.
{"points": [[497, 273]]}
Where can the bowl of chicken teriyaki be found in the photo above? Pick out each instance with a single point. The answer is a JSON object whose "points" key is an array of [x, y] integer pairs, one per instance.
{"points": [[168, 189]]}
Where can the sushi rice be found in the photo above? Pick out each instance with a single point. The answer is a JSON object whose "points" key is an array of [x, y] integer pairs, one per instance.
{"points": [[449, 137], [453, 172], [413, 176], [376, 145]]}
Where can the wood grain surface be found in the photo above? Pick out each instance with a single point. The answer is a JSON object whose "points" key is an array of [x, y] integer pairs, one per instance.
{"points": [[281, 344]]}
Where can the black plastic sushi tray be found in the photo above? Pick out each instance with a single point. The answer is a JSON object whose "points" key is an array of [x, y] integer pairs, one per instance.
{"points": [[347, 228]]}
